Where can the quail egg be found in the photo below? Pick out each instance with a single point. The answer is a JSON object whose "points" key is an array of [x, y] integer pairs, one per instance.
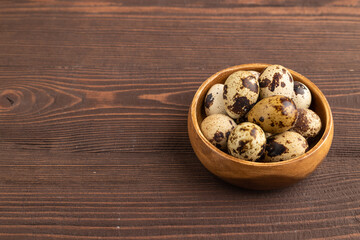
{"points": [[274, 114], [241, 91], [214, 102], [308, 123], [247, 141], [216, 128], [276, 80], [302, 95], [285, 146]]}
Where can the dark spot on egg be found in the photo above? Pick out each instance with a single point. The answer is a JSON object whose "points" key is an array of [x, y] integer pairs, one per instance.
{"points": [[283, 85], [294, 155], [253, 132], [283, 70], [225, 92], [254, 121], [233, 138], [281, 124], [275, 149], [209, 100], [264, 82], [299, 88], [241, 148], [217, 145], [247, 109], [287, 142], [278, 108], [287, 106], [277, 67], [272, 124], [275, 82], [218, 136], [302, 123], [231, 122], [250, 83], [240, 105], [261, 119], [227, 134]]}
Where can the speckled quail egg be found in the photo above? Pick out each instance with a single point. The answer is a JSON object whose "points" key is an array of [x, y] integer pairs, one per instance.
{"points": [[247, 141], [256, 74], [214, 102], [301, 96], [241, 91], [276, 80], [284, 146], [216, 128], [308, 123], [274, 114]]}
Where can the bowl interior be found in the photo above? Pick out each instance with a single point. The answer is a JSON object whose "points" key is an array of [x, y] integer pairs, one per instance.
{"points": [[319, 105]]}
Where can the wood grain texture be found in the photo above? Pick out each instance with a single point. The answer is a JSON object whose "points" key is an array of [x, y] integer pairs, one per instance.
{"points": [[94, 98]]}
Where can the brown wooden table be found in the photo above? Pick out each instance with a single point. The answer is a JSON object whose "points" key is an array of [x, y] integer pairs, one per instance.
{"points": [[93, 103]]}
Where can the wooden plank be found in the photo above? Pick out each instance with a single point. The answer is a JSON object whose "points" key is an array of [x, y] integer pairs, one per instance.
{"points": [[93, 103]]}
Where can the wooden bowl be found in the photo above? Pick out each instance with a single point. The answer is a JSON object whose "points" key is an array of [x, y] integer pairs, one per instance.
{"points": [[259, 175]]}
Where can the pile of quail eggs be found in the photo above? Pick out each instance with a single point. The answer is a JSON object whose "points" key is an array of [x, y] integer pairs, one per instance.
{"points": [[260, 117]]}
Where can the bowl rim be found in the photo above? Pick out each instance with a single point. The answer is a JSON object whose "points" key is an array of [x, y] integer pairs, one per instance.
{"points": [[328, 124]]}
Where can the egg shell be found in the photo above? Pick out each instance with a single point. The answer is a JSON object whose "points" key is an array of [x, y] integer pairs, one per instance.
{"points": [[276, 80], [241, 91], [216, 128], [214, 102], [302, 95], [274, 114], [256, 74], [308, 123], [247, 141], [284, 146]]}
